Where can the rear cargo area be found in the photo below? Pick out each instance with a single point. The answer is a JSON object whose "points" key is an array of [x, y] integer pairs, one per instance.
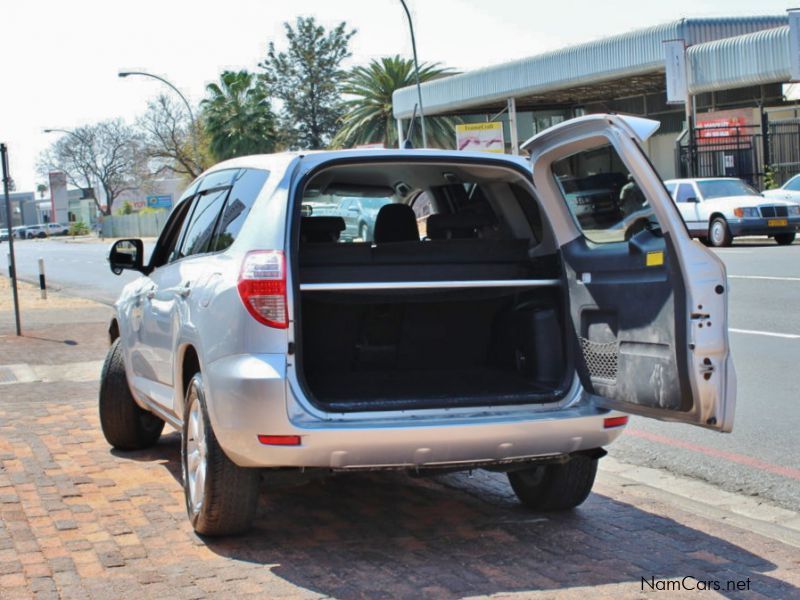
{"points": [[452, 299], [365, 351]]}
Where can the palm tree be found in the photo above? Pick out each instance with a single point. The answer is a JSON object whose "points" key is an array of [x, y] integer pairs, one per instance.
{"points": [[369, 118], [238, 117]]}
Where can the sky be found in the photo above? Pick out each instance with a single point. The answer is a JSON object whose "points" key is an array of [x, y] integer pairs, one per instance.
{"points": [[59, 59]]}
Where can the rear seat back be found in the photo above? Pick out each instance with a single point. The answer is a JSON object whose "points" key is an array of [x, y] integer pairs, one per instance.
{"points": [[456, 226], [315, 230]]}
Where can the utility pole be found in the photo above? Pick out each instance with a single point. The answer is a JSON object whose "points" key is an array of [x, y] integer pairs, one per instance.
{"points": [[416, 74], [12, 266]]}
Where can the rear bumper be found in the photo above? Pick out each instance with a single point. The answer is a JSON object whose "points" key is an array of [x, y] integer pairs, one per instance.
{"points": [[250, 395], [741, 227]]}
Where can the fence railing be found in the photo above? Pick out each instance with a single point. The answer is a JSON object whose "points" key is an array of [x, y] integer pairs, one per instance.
{"points": [[135, 225]]}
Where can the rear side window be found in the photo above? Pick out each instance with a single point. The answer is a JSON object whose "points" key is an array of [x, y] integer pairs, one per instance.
{"points": [[243, 194], [602, 195], [207, 208]]}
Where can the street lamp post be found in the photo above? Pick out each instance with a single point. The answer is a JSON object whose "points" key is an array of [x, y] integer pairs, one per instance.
{"points": [[416, 74], [123, 74]]}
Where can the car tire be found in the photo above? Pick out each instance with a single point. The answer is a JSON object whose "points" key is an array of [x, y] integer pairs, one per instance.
{"points": [[555, 486], [363, 232], [125, 425], [719, 234], [221, 497], [785, 239]]}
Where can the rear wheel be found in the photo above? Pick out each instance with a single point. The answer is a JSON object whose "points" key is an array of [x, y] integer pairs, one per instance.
{"points": [[719, 233], [555, 486], [126, 426], [221, 497], [785, 239]]}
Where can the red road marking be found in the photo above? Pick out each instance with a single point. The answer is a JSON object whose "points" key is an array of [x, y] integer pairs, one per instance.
{"points": [[790, 472]]}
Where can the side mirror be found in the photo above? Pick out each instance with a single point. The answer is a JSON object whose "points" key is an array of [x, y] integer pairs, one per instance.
{"points": [[352, 208], [126, 254], [693, 200]]}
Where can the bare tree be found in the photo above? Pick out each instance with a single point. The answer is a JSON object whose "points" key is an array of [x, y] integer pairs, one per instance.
{"points": [[107, 155], [168, 139]]}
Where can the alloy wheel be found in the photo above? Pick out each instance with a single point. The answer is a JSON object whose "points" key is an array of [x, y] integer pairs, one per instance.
{"points": [[196, 450]]}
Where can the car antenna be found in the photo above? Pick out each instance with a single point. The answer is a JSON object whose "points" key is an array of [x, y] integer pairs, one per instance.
{"points": [[408, 144]]}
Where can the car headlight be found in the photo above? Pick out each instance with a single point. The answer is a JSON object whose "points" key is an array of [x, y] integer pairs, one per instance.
{"points": [[794, 211], [746, 212]]}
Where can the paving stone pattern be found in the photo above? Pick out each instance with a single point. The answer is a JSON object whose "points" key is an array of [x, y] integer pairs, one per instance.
{"points": [[79, 520]]}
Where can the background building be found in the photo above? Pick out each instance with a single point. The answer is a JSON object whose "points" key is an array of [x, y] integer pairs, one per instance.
{"points": [[735, 118]]}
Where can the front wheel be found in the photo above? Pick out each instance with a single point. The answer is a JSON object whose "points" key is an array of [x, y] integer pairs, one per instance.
{"points": [[719, 233], [785, 239], [556, 486], [221, 497], [125, 425], [363, 232]]}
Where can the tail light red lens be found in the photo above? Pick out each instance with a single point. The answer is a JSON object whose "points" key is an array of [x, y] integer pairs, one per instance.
{"points": [[279, 440], [610, 422], [262, 287]]}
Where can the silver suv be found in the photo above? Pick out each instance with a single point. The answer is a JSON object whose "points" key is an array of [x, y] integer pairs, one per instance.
{"points": [[509, 335]]}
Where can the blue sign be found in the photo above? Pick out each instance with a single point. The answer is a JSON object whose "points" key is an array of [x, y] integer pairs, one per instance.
{"points": [[160, 201]]}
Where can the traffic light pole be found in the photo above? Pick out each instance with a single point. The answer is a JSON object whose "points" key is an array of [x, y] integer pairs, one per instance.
{"points": [[12, 265]]}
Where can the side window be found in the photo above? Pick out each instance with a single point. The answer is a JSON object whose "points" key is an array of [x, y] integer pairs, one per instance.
{"points": [[243, 194], [602, 195], [165, 247], [207, 208], [685, 191], [793, 185], [671, 189]]}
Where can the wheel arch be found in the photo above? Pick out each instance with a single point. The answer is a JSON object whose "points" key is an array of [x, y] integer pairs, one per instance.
{"points": [[714, 215], [188, 364], [113, 331]]}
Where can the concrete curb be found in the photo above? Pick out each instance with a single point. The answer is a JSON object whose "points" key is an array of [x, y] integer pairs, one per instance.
{"points": [[701, 498]]}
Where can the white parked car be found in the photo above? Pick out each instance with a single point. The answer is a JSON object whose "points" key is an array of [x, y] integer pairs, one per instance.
{"points": [[512, 336], [57, 229], [717, 209], [788, 191]]}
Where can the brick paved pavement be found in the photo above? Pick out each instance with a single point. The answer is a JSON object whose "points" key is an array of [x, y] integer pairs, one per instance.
{"points": [[78, 520]]}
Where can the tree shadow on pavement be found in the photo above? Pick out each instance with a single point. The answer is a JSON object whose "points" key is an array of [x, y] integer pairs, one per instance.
{"points": [[387, 534]]}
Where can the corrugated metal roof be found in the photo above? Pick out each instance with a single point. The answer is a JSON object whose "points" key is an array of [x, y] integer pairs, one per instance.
{"points": [[623, 55], [746, 60]]}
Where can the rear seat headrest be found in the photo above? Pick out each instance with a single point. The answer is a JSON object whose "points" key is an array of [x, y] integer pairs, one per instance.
{"points": [[321, 229], [396, 223], [456, 226]]}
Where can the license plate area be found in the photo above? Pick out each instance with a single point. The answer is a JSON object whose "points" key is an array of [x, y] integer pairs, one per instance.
{"points": [[777, 222]]}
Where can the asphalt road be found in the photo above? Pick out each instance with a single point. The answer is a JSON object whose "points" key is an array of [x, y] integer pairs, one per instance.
{"points": [[79, 268], [761, 457]]}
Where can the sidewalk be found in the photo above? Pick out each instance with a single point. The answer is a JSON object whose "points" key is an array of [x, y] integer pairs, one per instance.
{"points": [[79, 520]]}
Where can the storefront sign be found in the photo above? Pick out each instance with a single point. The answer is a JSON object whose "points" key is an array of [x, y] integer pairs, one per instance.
{"points": [[480, 137], [164, 201], [675, 62]]}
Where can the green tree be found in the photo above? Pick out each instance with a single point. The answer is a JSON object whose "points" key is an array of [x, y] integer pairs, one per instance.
{"points": [[308, 77], [369, 117], [41, 188], [238, 117]]}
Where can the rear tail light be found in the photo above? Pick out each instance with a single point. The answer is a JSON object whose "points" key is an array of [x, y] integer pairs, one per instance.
{"points": [[262, 287], [610, 422]]}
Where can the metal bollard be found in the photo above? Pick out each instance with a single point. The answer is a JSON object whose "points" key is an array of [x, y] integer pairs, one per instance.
{"points": [[42, 283]]}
